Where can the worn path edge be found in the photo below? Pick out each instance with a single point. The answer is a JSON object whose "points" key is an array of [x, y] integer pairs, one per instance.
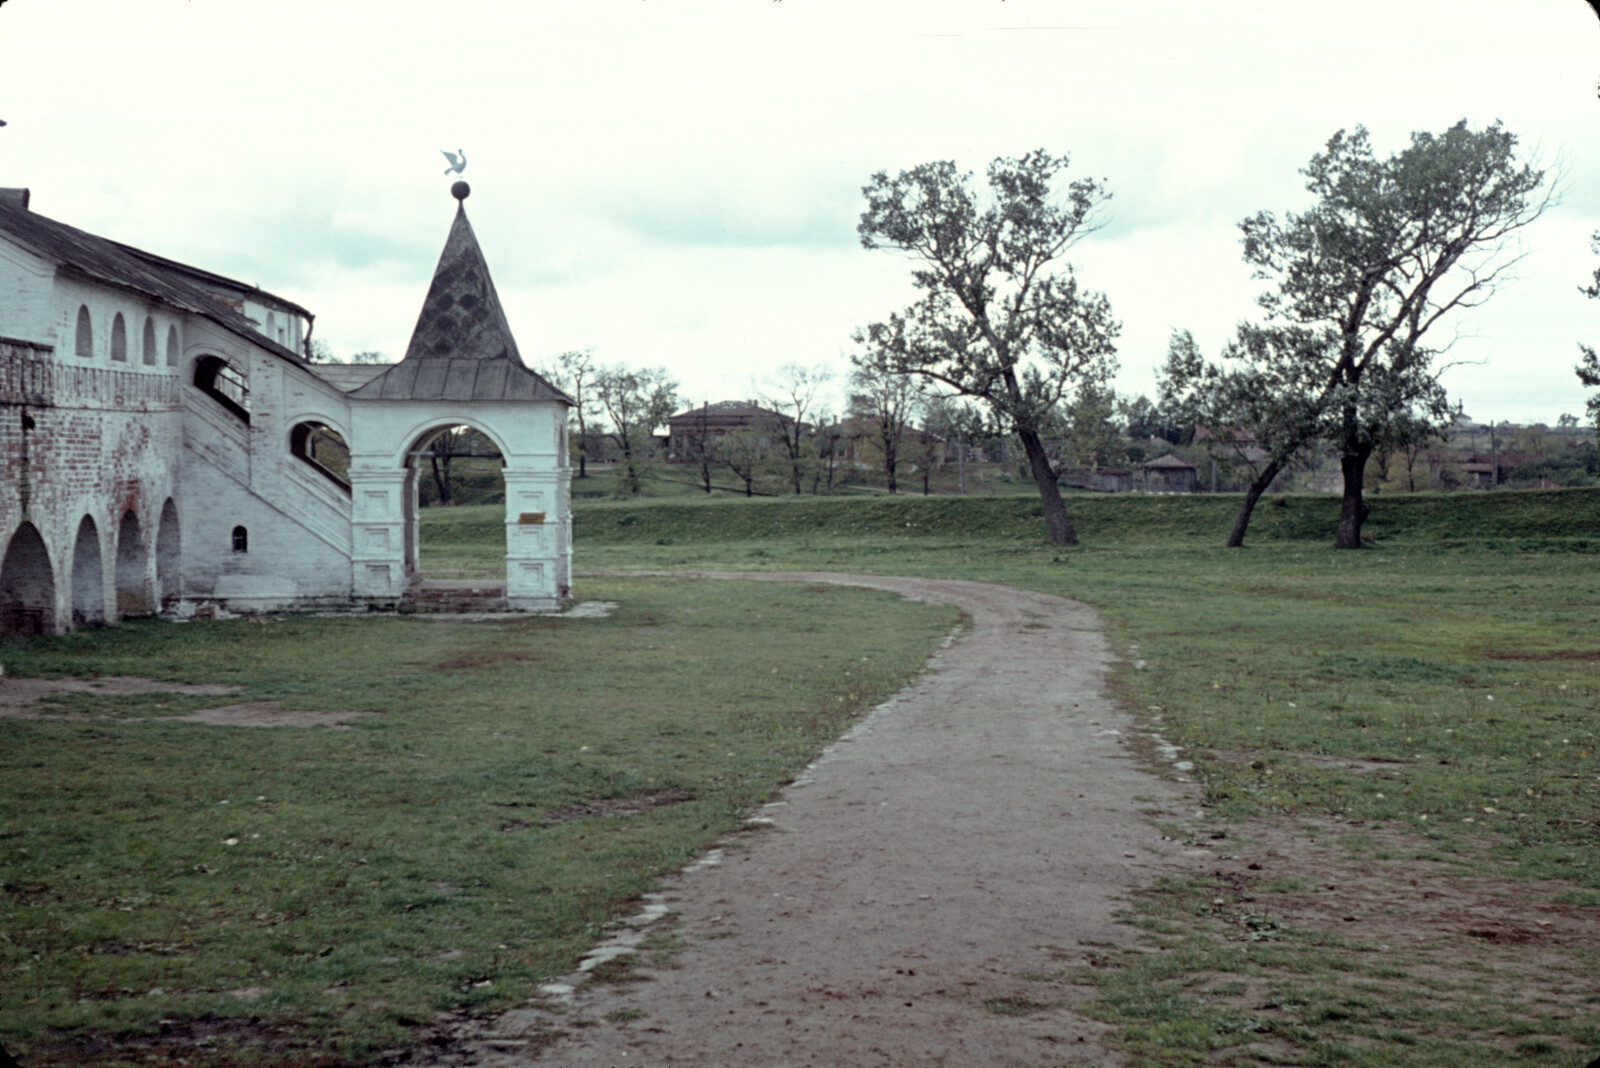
{"points": [[922, 890]]}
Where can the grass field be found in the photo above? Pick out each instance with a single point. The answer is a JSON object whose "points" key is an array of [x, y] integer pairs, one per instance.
{"points": [[1455, 666], [274, 892], [1425, 710]]}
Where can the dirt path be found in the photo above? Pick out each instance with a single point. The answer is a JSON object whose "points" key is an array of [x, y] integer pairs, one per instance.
{"points": [[920, 891]]}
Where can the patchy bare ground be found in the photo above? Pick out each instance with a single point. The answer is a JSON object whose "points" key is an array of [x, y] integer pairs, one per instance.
{"points": [[1305, 874], [270, 714], [1401, 927], [21, 699]]}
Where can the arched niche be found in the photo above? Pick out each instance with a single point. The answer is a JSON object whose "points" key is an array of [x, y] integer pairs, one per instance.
{"points": [[147, 344], [84, 342], [88, 577], [27, 585], [133, 595], [169, 558], [119, 339], [225, 384], [172, 346], [323, 449]]}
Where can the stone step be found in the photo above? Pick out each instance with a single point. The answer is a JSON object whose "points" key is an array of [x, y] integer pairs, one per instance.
{"points": [[455, 595]]}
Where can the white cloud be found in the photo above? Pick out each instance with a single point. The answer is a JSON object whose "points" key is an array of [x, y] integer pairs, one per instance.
{"points": [[678, 182]]}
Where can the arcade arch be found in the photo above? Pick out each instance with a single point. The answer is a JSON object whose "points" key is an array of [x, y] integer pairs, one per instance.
{"points": [[88, 577], [133, 595], [324, 450], [169, 558], [225, 384], [27, 585]]}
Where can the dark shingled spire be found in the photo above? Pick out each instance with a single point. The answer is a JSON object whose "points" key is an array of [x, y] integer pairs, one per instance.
{"points": [[462, 348], [461, 316]]}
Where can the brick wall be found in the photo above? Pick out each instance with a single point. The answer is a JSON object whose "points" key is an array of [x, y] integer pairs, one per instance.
{"points": [[81, 443]]}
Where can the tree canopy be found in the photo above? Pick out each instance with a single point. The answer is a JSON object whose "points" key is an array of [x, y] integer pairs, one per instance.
{"points": [[1001, 319], [1388, 250]]}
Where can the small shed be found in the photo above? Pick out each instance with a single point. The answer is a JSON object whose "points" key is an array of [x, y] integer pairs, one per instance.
{"points": [[1170, 474]]}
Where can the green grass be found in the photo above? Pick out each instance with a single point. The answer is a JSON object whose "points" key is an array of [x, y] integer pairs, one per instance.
{"points": [[1460, 648], [354, 883], [1267, 665]]}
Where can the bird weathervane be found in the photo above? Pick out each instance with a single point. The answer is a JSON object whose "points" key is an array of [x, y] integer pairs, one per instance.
{"points": [[458, 158]]}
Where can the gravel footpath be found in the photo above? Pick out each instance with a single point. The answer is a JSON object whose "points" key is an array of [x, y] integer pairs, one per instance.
{"points": [[920, 890]]}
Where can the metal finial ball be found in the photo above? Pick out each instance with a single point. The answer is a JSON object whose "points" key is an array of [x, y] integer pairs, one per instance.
{"points": [[460, 190]]}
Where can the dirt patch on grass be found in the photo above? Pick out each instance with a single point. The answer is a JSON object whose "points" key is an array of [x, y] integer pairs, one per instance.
{"points": [[473, 659], [1309, 878], [214, 1043], [19, 698], [1354, 931], [633, 805], [270, 714], [1358, 765], [1582, 655]]}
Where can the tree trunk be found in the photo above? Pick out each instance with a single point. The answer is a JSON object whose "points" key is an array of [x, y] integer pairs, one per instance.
{"points": [[633, 476], [1352, 510], [441, 482], [1241, 522], [1056, 520]]}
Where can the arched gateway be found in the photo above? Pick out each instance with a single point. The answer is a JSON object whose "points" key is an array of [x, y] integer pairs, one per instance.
{"points": [[462, 367]]}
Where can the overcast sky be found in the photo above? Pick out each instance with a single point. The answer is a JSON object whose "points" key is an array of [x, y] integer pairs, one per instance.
{"points": [[677, 182]]}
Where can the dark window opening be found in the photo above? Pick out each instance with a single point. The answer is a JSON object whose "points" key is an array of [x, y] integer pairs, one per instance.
{"points": [[119, 339], [241, 540], [222, 382], [148, 343], [321, 447]]}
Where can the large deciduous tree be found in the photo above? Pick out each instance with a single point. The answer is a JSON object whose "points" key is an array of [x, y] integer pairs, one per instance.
{"points": [[1001, 318], [635, 402], [1389, 249]]}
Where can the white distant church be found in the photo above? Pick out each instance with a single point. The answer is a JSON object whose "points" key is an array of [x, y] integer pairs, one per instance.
{"points": [[160, 429]]}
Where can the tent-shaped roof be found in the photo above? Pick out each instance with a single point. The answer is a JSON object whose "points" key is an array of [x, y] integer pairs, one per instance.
{"points": [[462, 348]]}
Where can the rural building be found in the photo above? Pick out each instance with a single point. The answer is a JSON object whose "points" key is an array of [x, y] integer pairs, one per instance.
{"points": [[166, 446], [688, 431], [1170, 474]]}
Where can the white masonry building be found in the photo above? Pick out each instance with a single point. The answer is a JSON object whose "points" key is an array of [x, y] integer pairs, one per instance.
{"points": [[165, 442]]}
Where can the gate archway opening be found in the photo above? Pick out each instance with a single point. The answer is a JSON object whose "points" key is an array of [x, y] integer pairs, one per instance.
{"points": [[88, 577], [133, 594], [27, 586], [460, 468]]}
